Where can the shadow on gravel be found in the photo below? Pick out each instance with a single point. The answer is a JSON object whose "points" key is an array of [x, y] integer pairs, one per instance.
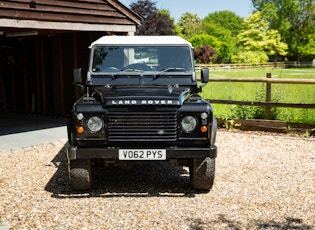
{"points": [[287, 224], [146, 180], [11, 123]]}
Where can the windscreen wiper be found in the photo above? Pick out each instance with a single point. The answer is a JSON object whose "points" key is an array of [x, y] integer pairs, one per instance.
{"points": [[168, 70], [125, 71]]}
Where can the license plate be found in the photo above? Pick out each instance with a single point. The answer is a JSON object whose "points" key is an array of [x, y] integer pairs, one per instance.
{"points": [[142, 154]]}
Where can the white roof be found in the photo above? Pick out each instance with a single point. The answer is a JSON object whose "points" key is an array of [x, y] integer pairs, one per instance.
{"points": [[140, 40]]}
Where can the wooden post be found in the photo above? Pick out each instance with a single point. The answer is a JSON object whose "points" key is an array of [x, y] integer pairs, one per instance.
{"points": [[60, 77], [38, 105], [43, 80], [75, 62], [268, 98]]}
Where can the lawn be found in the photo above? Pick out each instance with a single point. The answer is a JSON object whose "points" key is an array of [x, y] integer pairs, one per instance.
{"points": [[290, 93]]}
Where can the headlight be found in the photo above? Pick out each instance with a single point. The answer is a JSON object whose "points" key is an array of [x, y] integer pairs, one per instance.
{"points": [[95, 124], [189, 124]]}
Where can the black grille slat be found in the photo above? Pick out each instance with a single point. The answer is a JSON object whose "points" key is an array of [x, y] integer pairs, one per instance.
{"points": [[142, 126]]}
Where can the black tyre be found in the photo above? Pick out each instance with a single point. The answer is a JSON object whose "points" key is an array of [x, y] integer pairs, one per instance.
{"points": [[202, 172], [80, 174]]}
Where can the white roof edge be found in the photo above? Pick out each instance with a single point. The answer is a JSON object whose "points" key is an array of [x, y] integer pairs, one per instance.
{"points": [[140, 40]]}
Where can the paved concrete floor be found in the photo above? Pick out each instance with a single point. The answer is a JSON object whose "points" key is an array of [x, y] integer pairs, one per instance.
{"points": [[18, 130]]}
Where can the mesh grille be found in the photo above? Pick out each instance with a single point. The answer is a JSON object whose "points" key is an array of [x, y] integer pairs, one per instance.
{"points": [[142, 126]]}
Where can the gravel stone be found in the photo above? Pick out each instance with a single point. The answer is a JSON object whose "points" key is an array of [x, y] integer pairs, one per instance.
{"points": [[263, 181]]}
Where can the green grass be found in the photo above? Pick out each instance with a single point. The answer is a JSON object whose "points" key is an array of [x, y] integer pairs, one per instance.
{"points": [[289, 93]]}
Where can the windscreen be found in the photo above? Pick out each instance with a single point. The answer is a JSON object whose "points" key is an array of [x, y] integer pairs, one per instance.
{"points": [[150, 59]]}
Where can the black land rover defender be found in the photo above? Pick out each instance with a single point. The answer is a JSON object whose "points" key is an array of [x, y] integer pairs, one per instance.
{"points": [[140, 105]]}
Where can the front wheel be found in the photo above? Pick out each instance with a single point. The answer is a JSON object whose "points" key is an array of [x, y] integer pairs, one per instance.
{"points": [[80, 174], [202, 172]]}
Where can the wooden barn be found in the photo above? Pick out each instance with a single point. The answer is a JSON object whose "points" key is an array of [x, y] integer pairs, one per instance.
{"points": [[41, 41]]}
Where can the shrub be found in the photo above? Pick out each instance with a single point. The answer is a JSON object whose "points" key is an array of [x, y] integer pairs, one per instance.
{"points": [[257, 112], [205, 54], [250, 57]]}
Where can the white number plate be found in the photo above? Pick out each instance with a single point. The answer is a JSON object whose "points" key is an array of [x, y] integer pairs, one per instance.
{"points": [[142, 154]]}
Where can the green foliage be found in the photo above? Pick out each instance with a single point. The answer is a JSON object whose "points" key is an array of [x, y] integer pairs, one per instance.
{"points": [[221, 26], [188, 25], [225, 36], [279, 28], [225, 19], [230, 124], [257, 37], [256, 112], [295, 21], [243, 91], [205, 39], [248, 112], [206, 48], [308, 49], [250, 57]]}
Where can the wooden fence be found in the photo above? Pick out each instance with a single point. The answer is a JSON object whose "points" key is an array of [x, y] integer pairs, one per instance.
{"points": [[255, 66], [268, 104]]}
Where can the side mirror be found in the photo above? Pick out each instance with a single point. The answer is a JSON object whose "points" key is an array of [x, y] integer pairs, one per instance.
{"points": [[204, 75], [77, 75]]}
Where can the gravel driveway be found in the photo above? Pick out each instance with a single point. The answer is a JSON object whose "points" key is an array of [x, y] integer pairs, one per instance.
{"points": [[263, 181]]}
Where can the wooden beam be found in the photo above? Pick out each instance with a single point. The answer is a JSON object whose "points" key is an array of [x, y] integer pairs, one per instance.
{"points": [[50, 5], [268, 80], [87, 4], [74, 18], [268, 125], [15, 10], [136, 18], [33, 24], [264, 104]]}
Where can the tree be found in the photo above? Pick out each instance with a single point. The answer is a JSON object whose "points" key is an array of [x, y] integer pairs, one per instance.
{"points": [[205, 39], [189, 24], [224, 25], [250, 57], [294, 19], [208, 44], [155, 22], [227, 41], [225, 19], [257, 37]]}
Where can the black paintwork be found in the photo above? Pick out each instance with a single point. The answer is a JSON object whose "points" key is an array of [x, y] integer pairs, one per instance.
{"points": [[156, 102]]}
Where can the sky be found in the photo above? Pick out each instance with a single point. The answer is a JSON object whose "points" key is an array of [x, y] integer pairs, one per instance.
{"points": [[200, 7]]}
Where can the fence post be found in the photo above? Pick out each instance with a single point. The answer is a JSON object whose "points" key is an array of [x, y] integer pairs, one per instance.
{"points": [[268, 98]]}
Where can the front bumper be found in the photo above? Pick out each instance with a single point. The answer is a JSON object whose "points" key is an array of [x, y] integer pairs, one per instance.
{"points": [[112, 153]]}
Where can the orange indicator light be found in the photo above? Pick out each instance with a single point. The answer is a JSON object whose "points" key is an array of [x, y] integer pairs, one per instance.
{"points": [[80, 129], [203, 129]]}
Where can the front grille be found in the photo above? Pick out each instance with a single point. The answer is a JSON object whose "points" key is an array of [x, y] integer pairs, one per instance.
{"points": [[142, 125]]}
